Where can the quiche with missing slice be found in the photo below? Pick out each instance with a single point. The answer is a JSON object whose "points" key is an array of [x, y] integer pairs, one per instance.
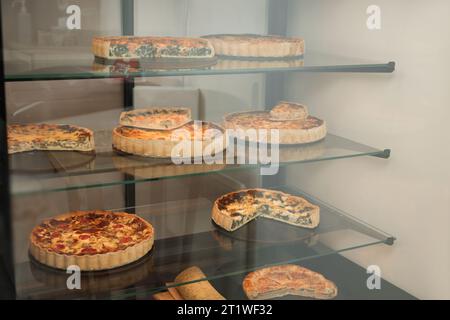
{"points": [[92, 240], [167, 118], [30, 137], [236, 209], [279, 281], [256, 46], [131, 47]]}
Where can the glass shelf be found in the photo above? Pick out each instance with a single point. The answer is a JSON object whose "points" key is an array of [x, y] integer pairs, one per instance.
{"points": [[88, 68], [187, 237], [37, 172]]}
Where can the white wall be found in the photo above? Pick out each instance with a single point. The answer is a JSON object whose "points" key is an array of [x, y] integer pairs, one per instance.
{"points": [[407, 195]]}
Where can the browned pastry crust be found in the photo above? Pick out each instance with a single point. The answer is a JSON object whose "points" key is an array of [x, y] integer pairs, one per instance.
{"points": [[202, 290], [120, 47], [196, 136], [256, 46], [29, 137], [157, 118], [279, 281], [92, 240], [235, 209], [290, 132]]}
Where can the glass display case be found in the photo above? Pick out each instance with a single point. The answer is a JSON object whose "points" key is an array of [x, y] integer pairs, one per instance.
{"points": [[229, 215]]}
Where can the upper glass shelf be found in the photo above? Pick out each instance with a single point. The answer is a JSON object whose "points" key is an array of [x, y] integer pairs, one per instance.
{"points": [[80, 64], [53, 171]]}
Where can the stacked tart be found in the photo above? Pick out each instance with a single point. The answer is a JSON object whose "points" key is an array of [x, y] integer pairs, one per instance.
{"points": [[256, 46], [127, 47], [235, 209], [164, 133], [279, 281], [49, 137], [289, 121], [92, 240]]}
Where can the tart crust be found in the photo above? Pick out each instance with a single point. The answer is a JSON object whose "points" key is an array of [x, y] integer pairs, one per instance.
{"points": [[290, 132], [95, 262], [279, 281], [145, 142], [226, 221], [202, 290], [257, 46]]}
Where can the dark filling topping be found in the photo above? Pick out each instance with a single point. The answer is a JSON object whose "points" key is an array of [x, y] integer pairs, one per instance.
{"points": [[146, 51]]}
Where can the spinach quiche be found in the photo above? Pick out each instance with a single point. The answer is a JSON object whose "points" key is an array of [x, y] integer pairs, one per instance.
{"points": [[258, 126], [256, 46], [193, 140], [130, 47], [279, 281], [235, 209], [167, 118], [30, 137], [92, 240]]}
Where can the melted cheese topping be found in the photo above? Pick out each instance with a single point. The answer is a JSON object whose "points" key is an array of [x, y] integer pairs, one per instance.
{"points": [[167, 118], [263, 120], [91, 232]]}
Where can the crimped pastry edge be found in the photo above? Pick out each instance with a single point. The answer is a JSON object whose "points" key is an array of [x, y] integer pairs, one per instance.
{"points": [[226, 222], [286, 136], [162, 148], [96, 262], [192, 274], [293, 47]]}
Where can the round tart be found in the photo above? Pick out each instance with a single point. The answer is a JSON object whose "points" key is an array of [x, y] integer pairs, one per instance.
{"points": [[92, 240], [235, 209], [279, 281], [290, 132], [256, 46], [193, 140], [156, 118], [54, 137]]}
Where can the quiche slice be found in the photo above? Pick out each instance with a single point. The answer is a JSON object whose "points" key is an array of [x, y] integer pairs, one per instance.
{"points": [[202, 290], [131, 47], [286, 111], [92, 240], [235, 209], [279, 281], [256, 46], [30, 137], [156, 118]]}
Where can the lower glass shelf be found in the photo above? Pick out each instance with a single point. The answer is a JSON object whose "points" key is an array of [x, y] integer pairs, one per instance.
{"points": [[41, 172], [185, 237]]}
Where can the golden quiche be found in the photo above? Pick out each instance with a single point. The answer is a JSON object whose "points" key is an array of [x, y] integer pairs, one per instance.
{"points": [[92, 240], [131, 47], [194, 139], [256, 46], [279, 281], [258, 126], [235, 209], [30, 137], [287, 111], [156, 118]]}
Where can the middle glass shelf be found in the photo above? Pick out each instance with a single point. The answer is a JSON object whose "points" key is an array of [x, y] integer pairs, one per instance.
{"points": [[36, 172]]}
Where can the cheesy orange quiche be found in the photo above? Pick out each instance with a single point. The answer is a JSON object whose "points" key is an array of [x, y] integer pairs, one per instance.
{"points": [[235, 209], [167, 118], [29, 137], [194, 139], [92, 240], [279, 281], [131, 47], [287, 111], [256, 46]]}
